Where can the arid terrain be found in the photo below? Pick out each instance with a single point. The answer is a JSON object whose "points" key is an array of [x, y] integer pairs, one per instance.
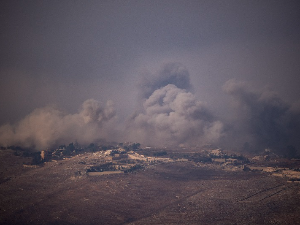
{"points": [[179, 192]]}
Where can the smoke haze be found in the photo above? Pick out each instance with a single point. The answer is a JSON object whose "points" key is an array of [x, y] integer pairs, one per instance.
{"points": [[170, 115], [176, 72], [263, 119], [48, 127]]}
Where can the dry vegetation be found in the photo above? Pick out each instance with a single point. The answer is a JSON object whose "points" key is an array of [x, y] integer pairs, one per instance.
{"points": [[60, 192]]}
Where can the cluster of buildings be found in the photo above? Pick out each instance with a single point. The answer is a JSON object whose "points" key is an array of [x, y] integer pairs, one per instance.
{"points": [[122, 159], [256, 163]]}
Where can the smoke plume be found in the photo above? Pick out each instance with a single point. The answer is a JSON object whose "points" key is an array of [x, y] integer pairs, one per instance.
{"points": [[169, 115], [173, 116], [47, 127], [263, 119], [169, 73]]}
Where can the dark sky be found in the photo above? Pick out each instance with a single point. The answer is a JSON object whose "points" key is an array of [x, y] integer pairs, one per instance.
{"points": [[64, 52]]}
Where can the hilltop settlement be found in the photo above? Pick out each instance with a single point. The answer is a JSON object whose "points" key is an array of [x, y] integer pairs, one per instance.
{"points": [[117, 158]]}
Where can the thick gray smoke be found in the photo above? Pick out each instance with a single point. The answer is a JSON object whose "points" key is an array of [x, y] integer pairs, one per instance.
{"points": [[169, 73], [48, 126], [173, 116], [263, 120], [170, 115]]}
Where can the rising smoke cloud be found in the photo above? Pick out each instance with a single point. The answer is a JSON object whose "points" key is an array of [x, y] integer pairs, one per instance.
{"points": [[47, 127], [171, 115], [263, 119], [169, 73]]}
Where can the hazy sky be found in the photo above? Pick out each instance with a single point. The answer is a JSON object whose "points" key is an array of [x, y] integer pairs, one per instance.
{"points": [[64, 52]]}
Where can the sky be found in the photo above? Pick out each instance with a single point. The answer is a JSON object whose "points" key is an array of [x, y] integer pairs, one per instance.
{"points": [[156, 72]]}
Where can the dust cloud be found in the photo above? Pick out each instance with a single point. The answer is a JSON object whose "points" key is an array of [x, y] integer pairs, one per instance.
{"points": [[48, 126], [169, 115]]}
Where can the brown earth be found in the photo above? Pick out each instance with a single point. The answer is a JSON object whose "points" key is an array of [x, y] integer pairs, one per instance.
{"points": [[172, 193]]}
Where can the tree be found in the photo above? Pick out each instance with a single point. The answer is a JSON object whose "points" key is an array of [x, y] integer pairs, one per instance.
{"points": [[69, 149], [136, 146], [92, 147]]}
